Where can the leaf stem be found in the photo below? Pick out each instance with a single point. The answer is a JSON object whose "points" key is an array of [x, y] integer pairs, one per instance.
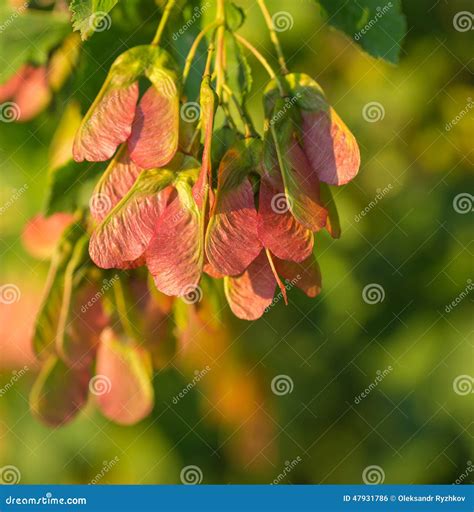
{"points": [[121, 306], [273, 36], [228, 117], [195, 135], [220, 44], [262, 61], [248, 125], [194, 47], [210, 51], [163, 21]]}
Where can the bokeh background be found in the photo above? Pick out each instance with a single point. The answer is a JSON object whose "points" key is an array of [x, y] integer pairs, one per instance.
{"points": [[385, 318]]}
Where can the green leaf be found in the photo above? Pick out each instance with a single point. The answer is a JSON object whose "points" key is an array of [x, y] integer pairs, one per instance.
{"points": [[238, 71], [245, 73], [377, 26], [28, 36], [67, 184], [234, 15], [47, 320], [223, 138], [89, 16]]}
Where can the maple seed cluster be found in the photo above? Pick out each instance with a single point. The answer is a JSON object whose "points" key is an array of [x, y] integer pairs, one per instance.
{"points": [[175, 209], [184, 204]]}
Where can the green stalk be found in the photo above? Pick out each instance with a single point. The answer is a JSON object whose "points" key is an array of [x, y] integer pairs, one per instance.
{"points": [[163, 21], [247, 122], [220, 18], [273, 36], [271, 72], [121, 305], [194, 47]]}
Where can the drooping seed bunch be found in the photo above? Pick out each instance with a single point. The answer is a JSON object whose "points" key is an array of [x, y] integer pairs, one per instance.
{"points": [[238, 208], [190, 203]]}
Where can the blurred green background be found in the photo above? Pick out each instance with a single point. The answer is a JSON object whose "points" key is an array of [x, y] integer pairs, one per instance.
{"points": [[414, 243]]}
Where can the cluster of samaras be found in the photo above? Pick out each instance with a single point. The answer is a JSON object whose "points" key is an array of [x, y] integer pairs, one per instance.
{"points": [[181, 199], [236, 207]]}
